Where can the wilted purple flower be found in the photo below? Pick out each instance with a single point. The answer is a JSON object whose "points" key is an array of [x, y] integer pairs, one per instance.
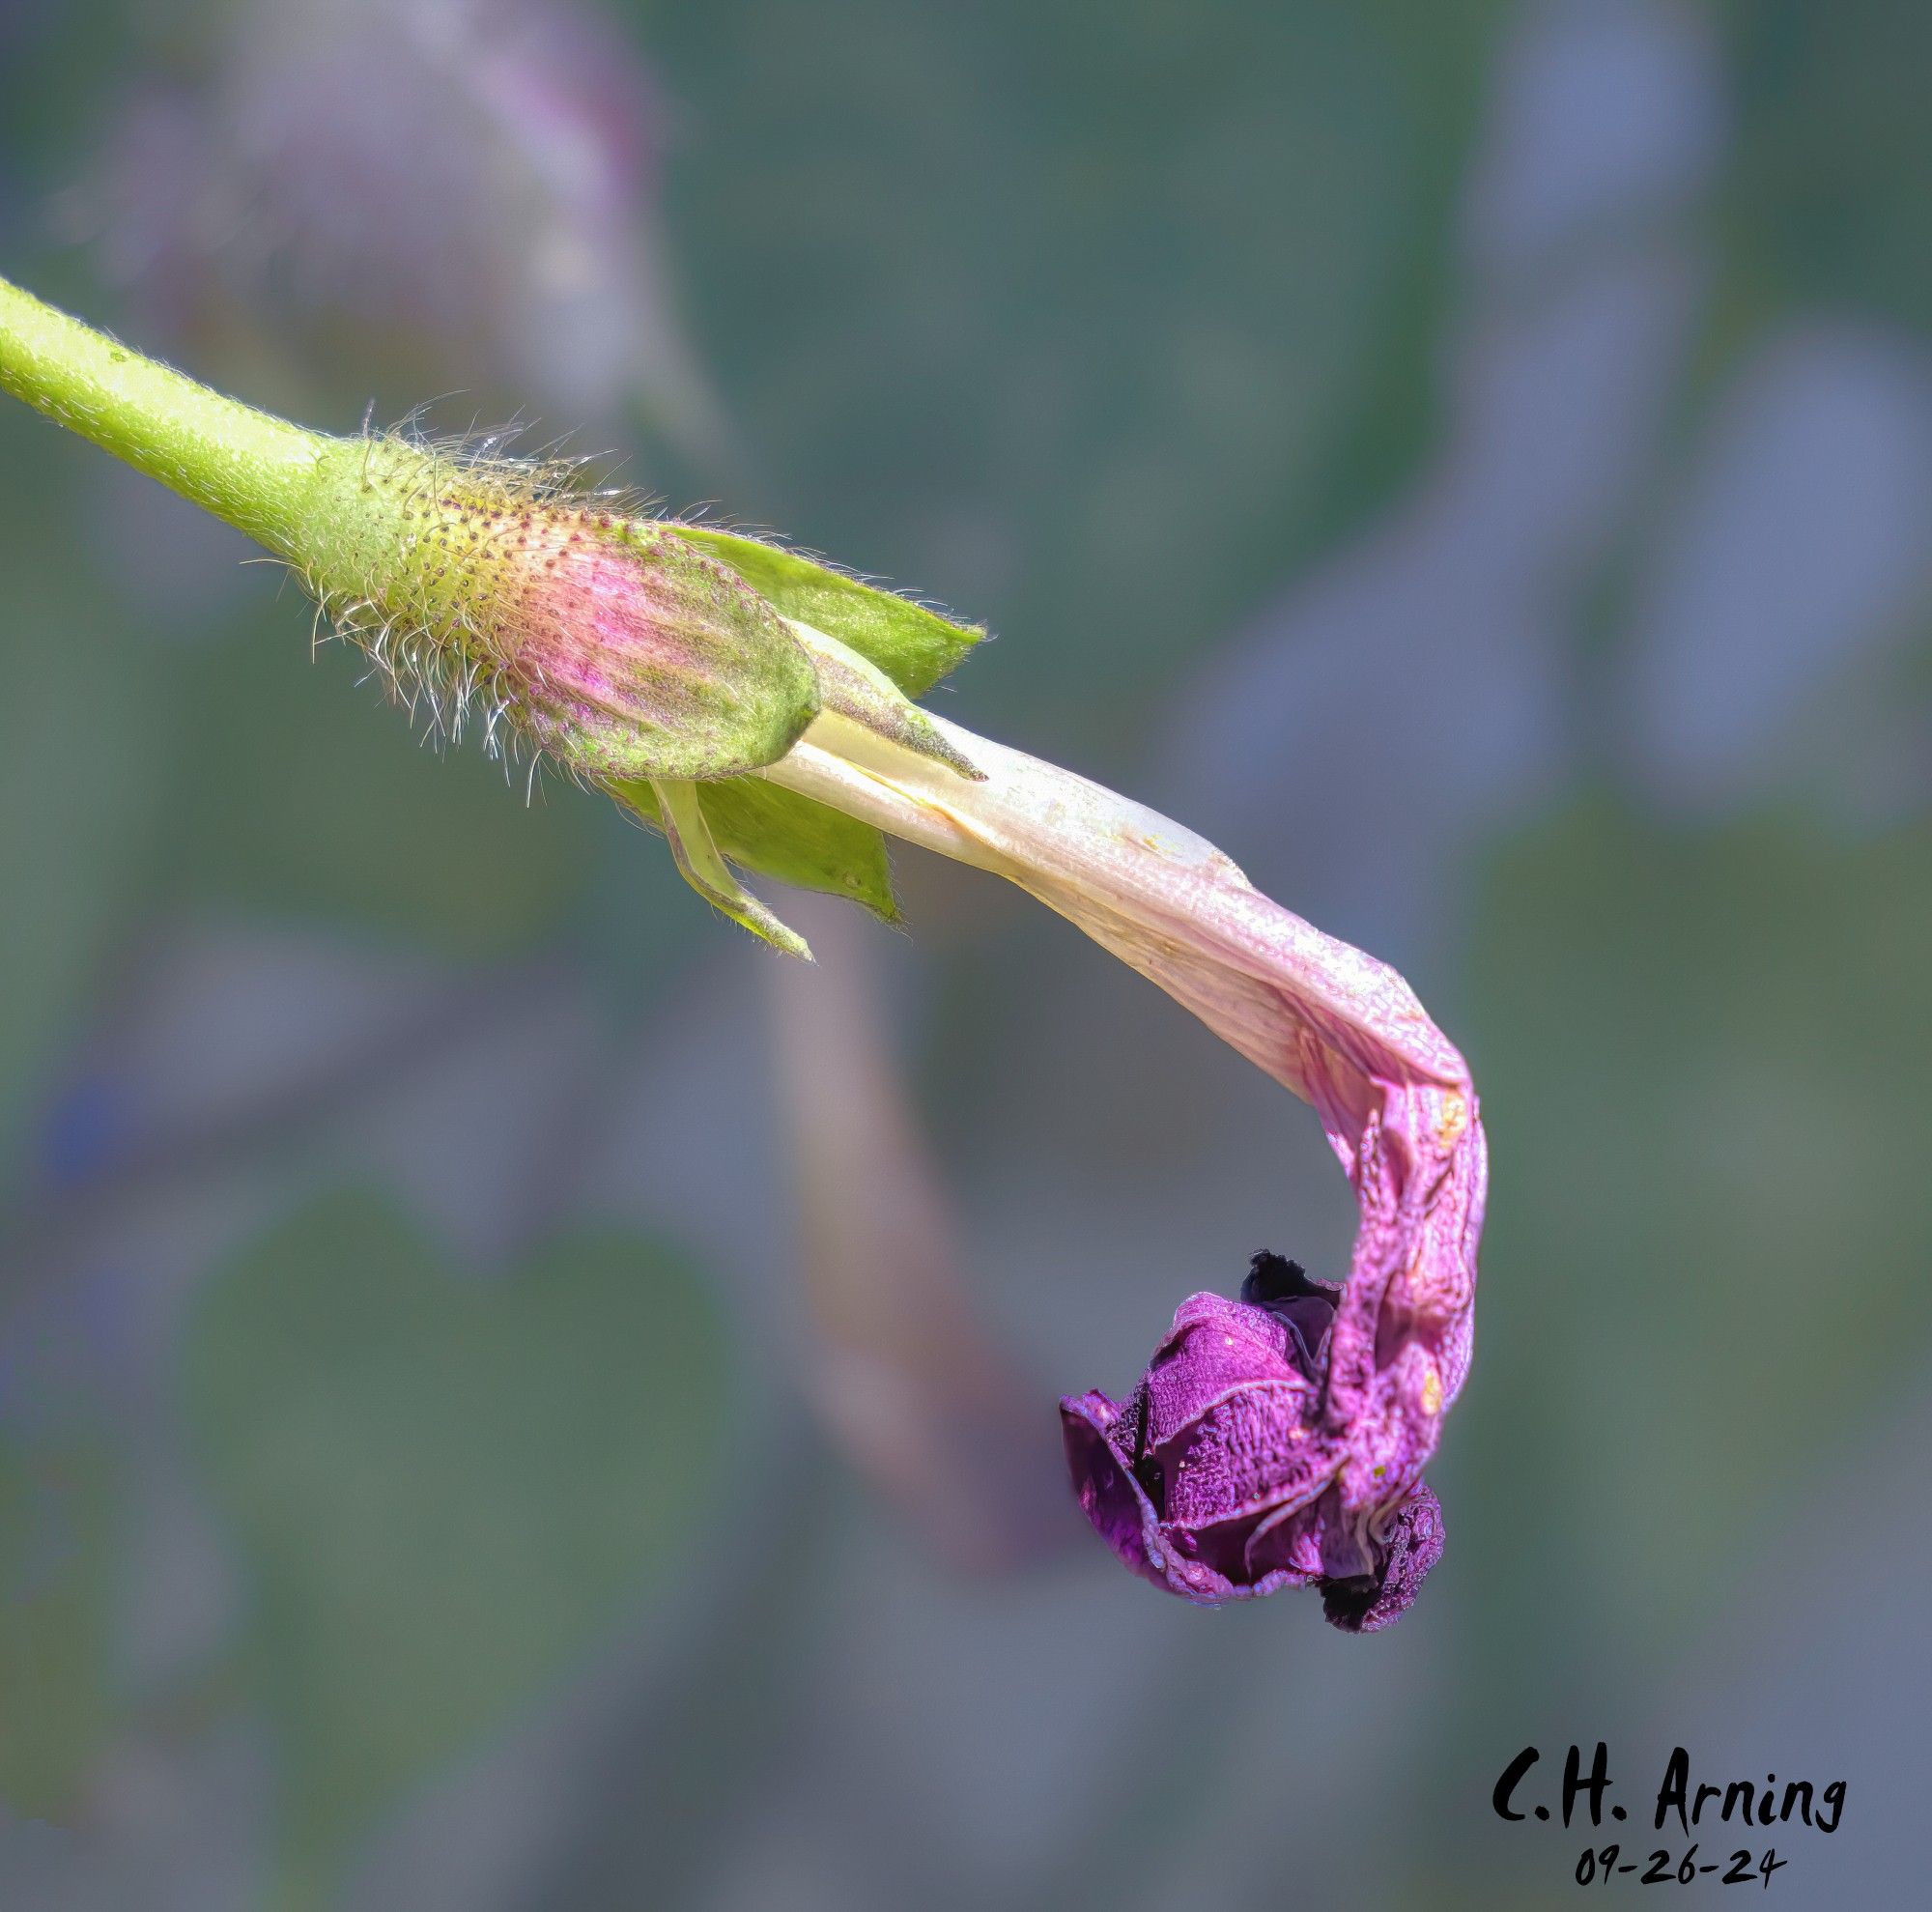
{"points": [[1278, 1441], [1215, 1478]]}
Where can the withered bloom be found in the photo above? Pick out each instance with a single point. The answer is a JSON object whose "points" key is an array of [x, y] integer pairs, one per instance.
{"points": [[1278, 1441], [1213, 1479]]}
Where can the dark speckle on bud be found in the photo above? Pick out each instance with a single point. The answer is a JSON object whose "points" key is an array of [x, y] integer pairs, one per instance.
{"points": [[639, 657], [622, 652]]}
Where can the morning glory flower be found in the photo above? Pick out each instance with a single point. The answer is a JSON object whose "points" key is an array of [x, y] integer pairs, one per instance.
{"points": [[1280, 1440], [757, 708]]}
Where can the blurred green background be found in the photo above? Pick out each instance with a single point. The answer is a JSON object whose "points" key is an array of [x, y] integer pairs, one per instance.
{"points": [[505, 1401]]}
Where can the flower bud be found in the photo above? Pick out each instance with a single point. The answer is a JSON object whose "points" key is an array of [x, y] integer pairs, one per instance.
{"points": [[607, 645]]}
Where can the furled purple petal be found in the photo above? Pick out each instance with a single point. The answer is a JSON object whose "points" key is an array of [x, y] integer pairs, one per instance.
{"points": [[1246, 1456], [1115, 1501], [1222, 1478], [1111, 1498], [1214, 1347], [1366, 1581]]}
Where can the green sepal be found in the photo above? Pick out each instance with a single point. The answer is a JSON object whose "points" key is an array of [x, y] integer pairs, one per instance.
{"points": [[707, 872], [855, 687], [914, 647], [778, 834]]}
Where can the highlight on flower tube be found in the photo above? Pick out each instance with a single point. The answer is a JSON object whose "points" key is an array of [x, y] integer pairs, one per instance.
{"points": [[757, 707]]}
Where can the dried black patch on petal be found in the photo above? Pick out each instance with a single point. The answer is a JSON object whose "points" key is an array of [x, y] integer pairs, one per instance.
{"points": [[1274, 1277]]}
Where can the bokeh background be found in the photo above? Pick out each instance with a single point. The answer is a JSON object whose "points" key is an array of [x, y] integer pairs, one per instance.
{"points": [[510, 1397]]}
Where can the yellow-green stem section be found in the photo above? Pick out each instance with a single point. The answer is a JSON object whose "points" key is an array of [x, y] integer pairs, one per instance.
{"points": [[242, 465]]}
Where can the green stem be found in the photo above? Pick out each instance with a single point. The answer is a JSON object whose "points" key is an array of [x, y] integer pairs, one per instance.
{"points": [[241, 464]]}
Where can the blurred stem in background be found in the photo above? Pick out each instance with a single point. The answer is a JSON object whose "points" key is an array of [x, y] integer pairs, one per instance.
{"points": [[917, 1392]]}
